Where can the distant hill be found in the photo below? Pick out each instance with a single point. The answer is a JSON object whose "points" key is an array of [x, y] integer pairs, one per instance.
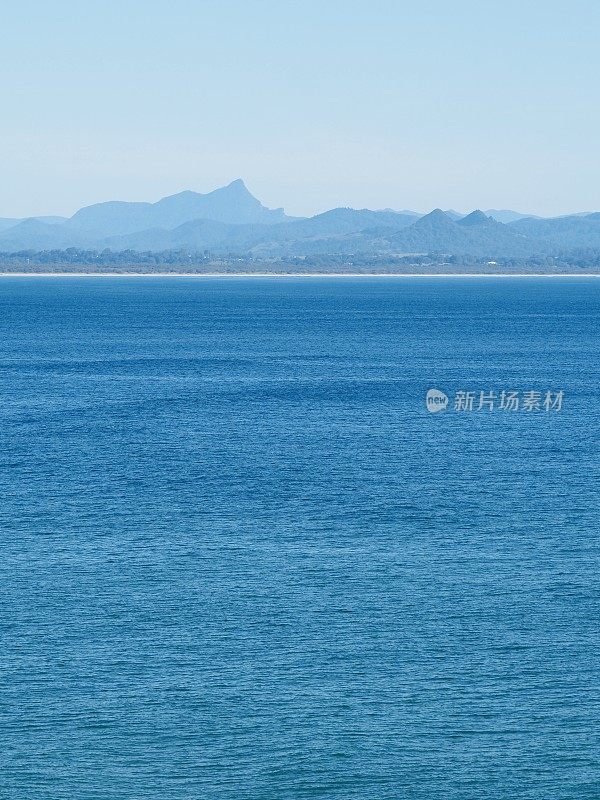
{"points": [[230, 220], [231, 204], [6, 222], [475, 234], [195, 235], [505, 215], [32, 234], [290, 237], [339, 221], [562, 232]]}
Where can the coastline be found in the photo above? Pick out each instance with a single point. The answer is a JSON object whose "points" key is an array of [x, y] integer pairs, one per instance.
{"points": [[300, 275]]}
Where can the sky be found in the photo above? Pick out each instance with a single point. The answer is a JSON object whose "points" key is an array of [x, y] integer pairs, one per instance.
{"points": [[380, 104]]}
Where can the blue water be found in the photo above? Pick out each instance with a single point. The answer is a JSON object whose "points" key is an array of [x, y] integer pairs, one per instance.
{"points": [[240, 560]]}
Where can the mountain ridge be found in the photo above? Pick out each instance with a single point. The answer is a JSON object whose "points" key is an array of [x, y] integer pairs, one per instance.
{"points": [[230, 219]]}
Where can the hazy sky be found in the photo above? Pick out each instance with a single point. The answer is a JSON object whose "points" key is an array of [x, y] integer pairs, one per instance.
{"points": [[375, 104]]}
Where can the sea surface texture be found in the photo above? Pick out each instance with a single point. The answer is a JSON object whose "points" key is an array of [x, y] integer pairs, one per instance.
{"points": [[240, 560]]}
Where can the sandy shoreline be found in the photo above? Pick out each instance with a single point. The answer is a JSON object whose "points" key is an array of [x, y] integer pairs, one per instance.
{"points": [[299, 275]]}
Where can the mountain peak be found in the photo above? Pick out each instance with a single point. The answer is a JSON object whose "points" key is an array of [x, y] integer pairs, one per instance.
{"points": [[436, 217], [476, 217], [238, 183]]}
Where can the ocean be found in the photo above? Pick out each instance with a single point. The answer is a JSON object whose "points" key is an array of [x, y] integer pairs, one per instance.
{"points": [[242, 560]]}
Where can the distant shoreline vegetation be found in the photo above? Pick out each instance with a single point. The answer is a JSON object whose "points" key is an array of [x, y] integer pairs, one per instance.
{"points": [[176, 261]]}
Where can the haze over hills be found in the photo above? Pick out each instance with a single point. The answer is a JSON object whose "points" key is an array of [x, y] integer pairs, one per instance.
{"points": [[505, 215], [231, 220], [9, 222]]}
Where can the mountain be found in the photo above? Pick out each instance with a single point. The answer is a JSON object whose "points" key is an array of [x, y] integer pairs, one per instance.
{"points": [[230, 220], [231, 204], [505, 215], [476, 234], [437, 227], [331, 231], [287, 238], [405, 212], [476, 219], [436, 231], [341, 230], [8, 222], [339, 221], [31, 234], [562, 233], [196, 235]]}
